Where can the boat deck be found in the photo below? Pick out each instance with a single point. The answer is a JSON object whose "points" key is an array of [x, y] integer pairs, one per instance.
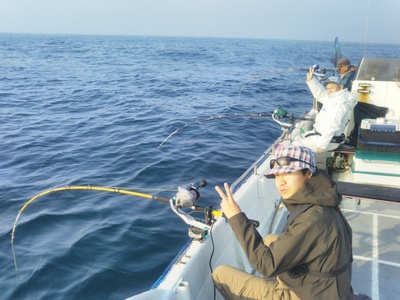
{"points": [[373, 212], [376, 246]]}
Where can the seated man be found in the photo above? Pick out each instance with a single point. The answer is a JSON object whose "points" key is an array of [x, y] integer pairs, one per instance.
{"points": [[347, 72], [312, 257], [332, 118]]}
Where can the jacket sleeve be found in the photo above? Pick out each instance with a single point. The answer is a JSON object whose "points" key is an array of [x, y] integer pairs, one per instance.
{"points": [[317, 89], [291, 249]]}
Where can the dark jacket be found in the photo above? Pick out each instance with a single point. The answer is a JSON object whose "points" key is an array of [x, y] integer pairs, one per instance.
{"points": [[312, 250], [347, 79]]}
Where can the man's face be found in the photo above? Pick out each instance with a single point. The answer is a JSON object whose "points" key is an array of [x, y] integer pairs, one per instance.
{"points": [[341, 69], [288, 184], [332, 87]]}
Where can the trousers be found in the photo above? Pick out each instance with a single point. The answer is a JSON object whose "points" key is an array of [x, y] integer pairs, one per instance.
{"points": [[233, 283]]}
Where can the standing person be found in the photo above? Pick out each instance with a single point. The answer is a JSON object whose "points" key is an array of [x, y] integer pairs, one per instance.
{"points": [[347, 72], [312, 257], [331, 121]]}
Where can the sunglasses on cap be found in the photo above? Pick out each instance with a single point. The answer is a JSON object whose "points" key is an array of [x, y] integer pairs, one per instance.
{"points": [[284, 161]]}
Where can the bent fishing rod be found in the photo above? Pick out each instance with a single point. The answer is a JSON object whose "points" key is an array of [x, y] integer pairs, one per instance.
{"points": [[185, 198], [279, 113]]}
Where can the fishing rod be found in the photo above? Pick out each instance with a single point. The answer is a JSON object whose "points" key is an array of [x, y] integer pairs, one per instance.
{"points": [[335, 56], [211, 119], [186, 197], [275, 116], [278, 113]]}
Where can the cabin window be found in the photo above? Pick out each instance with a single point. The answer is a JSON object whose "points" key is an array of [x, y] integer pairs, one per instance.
{"points": [[379, 69]]}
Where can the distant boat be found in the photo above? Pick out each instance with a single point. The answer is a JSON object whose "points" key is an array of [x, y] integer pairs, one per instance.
{"points": [[367, 171]]}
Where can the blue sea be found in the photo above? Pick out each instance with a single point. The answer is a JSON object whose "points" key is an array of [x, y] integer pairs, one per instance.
{"points": [[93, 110]]}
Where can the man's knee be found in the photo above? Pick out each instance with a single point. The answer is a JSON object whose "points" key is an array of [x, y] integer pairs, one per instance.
{"points": [[219, 273]]}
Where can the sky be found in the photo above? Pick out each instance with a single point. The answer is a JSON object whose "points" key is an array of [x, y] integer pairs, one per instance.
{"points": [[373, 21]]}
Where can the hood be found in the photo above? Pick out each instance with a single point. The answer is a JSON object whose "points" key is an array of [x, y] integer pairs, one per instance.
{"points": [[320, 189]]}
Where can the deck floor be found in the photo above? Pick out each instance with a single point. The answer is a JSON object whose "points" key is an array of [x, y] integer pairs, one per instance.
{"points": [[376, 246]]}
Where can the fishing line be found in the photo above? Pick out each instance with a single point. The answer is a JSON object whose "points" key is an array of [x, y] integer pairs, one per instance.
{"points": [[211, 119], [278, 113], [268, 72], [256, 115], [78, 187]]}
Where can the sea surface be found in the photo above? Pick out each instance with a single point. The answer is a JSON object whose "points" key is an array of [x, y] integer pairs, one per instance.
{"points": [[93, 111]]}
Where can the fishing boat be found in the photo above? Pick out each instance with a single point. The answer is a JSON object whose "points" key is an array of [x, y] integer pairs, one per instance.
{"points": [[366, 168]]}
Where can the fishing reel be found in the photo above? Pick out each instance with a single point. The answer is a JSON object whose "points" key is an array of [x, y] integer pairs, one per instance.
{"points": [[186, 197], [280, 113], [323, 74], [319, 73]]}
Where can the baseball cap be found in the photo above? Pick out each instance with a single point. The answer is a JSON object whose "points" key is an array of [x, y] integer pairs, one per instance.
{"points": [[342, 62], [333, 79], [290, 159]]}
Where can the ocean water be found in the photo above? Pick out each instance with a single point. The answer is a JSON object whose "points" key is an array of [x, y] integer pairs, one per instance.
{"points": [[93, 110]]}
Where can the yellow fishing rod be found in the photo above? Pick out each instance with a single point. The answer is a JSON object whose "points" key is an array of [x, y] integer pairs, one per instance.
{"points": [[186, 197], [82, 187]]}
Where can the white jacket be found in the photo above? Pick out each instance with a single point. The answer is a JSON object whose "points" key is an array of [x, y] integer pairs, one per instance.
{"points": [[334, 114]]}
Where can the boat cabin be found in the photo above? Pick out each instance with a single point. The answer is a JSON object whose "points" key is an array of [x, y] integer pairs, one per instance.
{"points": [[371, 154]]}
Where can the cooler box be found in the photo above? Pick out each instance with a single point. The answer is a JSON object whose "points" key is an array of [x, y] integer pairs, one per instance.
{"points": [[379, 135], [376, 167]]}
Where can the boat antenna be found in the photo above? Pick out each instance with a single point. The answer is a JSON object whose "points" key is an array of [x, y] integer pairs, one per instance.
{"points": [[366, 30]]}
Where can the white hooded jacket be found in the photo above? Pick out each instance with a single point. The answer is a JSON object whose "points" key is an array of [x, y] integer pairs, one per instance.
{"points": [[334, 114]]}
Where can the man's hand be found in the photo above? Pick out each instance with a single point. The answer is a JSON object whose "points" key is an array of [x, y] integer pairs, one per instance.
{"points": [[310, 74], [228, 204]]}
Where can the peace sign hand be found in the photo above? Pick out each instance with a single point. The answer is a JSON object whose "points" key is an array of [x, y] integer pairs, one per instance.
{"points": [[228, 204]]}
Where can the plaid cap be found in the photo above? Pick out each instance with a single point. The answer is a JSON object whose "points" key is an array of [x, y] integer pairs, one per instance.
{"points": [[297, 152]]}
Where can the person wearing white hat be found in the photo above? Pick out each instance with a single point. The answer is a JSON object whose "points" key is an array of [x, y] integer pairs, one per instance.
{"points": [[330, 122]]}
